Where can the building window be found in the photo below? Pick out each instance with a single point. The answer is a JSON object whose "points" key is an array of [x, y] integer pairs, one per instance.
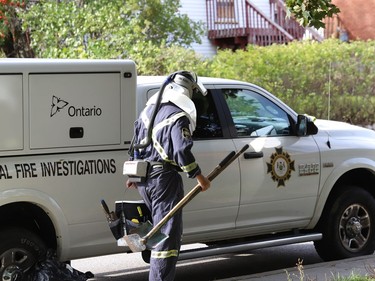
{"points": [[225, 9]]}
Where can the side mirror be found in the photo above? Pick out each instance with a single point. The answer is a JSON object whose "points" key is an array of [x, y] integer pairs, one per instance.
{"points": [[305, 126]]}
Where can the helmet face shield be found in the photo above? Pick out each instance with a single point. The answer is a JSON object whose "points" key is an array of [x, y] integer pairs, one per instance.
{"points": [[201, 88], [189, 80]]}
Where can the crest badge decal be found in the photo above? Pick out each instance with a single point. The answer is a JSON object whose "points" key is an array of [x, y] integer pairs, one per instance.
{"points": [[280, 166]]}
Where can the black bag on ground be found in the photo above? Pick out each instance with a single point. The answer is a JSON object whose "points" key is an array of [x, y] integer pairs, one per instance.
{"points": [[51, 269]]}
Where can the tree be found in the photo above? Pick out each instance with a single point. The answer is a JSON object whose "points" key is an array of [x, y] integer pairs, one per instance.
{"points": [[311, 12], [13, 41], [107, 29]]}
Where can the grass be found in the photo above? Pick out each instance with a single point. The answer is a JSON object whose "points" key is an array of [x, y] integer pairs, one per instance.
{"points": [[300, 276]]}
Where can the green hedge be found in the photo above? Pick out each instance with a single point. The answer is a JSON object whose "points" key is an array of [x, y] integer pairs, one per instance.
{"points": [[332, 79], [311, 77]]}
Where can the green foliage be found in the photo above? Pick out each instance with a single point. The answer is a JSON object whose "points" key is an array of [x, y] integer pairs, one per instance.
{"points": [[311, 12], [331, 80], [106, 29], [353, 277], [328, 80], [8, 14], [111, 29], [154, 60], [13, 41]]}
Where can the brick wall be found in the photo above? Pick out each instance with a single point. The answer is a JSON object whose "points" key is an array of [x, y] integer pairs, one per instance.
{"points": [[358, 18]]}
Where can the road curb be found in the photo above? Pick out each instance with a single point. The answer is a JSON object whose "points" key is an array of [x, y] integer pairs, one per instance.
{"points": [[324, 271]]}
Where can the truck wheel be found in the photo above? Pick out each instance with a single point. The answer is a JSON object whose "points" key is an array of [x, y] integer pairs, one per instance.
{"points": [[348, 226], [19, 250]]}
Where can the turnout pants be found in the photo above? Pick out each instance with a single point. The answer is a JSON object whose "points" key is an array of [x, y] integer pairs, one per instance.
{"points": [[161, 193]]}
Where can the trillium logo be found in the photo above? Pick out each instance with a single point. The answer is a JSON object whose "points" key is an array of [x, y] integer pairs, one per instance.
{"points": [[57, 105], [73, 111]]}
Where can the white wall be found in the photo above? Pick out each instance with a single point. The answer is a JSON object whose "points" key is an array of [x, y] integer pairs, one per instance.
{"points": [[263, 5], [196, 10]]}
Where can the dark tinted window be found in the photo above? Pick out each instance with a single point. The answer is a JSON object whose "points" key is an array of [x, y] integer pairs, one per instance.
{"points": [[208, 124]]}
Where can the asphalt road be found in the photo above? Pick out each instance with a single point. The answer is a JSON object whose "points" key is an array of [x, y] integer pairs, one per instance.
{"points": [[130, 267]]}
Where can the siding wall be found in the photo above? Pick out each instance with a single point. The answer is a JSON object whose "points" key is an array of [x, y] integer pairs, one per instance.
{"points": [[196, 10]]}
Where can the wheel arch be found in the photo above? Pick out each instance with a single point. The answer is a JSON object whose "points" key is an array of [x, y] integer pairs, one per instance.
{"points": [[36, 211], [360, 177], [31, 217]]}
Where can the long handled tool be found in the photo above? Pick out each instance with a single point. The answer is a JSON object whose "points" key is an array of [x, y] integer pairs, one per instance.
{"points": [[138, 243]]}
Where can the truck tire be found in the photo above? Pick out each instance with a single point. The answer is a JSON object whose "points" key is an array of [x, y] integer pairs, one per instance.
{"points": [[20, 249], [348, 226]]}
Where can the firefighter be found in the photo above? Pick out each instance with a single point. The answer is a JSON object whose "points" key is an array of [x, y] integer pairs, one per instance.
{"points": [[168, 153]]}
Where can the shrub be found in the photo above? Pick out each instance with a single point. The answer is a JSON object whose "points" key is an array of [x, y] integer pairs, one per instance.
{"points": [[329, 80]]}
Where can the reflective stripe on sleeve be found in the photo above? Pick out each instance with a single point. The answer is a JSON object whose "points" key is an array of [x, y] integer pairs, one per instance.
{"points": [[189, 168], [145, 118], [164, 254]]}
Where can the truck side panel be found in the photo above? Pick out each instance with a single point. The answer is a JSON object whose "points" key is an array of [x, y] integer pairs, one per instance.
{"points": [[11, 137], [74, 109], [66, 126]]}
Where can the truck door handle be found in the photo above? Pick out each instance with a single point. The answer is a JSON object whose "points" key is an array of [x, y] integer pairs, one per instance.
{"points": [[251, 155]]}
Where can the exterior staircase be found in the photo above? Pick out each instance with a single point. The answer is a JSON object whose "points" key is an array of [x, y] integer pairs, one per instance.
{"points": [[236, 23]]}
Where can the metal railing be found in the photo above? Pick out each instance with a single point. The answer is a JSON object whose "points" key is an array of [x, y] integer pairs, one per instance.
{"points": [[241, 20], [279, 15], [334, 28]]}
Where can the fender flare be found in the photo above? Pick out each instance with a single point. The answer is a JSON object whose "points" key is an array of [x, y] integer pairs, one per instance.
{"points": [[331, 180], [49, 205]]}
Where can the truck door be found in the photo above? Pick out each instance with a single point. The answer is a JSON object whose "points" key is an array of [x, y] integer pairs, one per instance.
{"points": [[280, 172], [215, 209]]}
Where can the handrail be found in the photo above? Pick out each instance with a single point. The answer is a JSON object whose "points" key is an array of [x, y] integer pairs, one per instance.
{"points": [[240, 18], [242, 22], [278, 9]]}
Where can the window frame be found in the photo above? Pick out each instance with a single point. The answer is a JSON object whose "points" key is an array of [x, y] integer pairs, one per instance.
{"points": [[215, 94], [225, 10], [228, 115]]}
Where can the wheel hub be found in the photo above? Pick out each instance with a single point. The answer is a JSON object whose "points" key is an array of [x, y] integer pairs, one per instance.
{"points": [[353, 227], [13, 262], [10, 272]]}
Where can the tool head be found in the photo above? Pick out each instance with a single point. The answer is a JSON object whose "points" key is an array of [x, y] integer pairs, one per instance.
{"points": [[137, 239], [135, 243]]}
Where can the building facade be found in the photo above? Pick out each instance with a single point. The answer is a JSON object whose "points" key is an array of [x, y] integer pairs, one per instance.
{"points": [[234, 24]]}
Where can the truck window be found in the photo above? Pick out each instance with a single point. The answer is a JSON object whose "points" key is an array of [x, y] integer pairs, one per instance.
{"points": [[208, 124], [254, 115]]}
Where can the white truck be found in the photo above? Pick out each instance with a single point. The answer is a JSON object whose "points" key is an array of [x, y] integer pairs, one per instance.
{"points": [[66, 128]]}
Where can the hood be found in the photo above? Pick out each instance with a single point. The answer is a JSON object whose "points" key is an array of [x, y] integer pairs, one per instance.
{"points": [[342, 130]]}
